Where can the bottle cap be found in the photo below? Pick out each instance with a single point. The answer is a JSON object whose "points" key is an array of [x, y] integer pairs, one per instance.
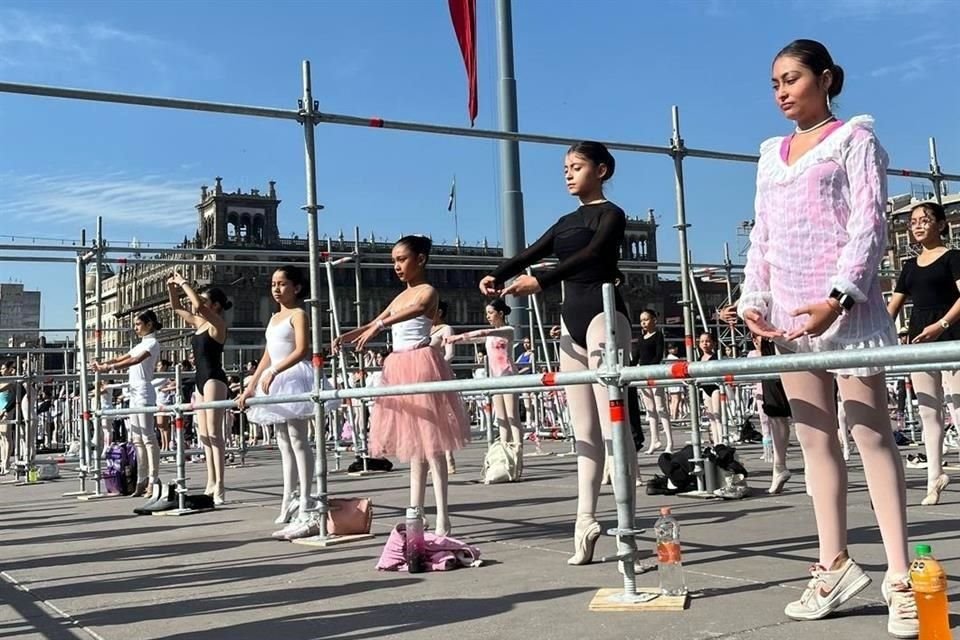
{"points": [[922, 549], [665, 511], [413, 513]]}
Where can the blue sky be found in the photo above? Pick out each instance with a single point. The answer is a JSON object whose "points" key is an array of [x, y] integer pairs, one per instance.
{"points": [[610, 71]]}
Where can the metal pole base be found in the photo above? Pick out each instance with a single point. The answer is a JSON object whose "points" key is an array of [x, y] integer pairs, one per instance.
{"points": [[645, 599], [330, 541]]}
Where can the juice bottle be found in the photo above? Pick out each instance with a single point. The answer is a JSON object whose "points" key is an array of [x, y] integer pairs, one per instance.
{"points": [[930, 589]]}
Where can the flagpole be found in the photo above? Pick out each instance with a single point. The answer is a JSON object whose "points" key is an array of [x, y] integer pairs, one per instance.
{"points": [[511, 196], [456, 221]]}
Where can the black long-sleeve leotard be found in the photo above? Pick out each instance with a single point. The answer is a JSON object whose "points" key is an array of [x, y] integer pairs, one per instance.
{"points": [[587, 243]]}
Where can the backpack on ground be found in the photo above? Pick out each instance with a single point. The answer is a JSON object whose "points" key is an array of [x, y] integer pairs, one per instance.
{"points": [[120, 475], [501, 463]]}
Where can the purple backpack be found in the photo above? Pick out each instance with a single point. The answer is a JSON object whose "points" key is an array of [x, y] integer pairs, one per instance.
{"points": [[120, 475]]}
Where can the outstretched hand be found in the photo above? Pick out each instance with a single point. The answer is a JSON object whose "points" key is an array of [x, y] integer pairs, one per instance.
{"points": [[758, 325], [822, 316], [523, 286], [488, 287]]}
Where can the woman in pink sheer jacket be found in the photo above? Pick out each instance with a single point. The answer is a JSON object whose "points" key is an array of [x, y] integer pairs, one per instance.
{"points": [[811, 285]]}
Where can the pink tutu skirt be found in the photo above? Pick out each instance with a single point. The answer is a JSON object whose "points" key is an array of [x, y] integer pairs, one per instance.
{"points": [[420, 426]]}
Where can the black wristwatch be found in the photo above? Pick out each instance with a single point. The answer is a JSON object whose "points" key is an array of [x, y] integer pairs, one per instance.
{"points": [[846, 302]]}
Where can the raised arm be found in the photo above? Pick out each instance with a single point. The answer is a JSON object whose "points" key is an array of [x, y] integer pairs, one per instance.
{"points": [[176, 306], [479, 335], [514, 266], [201, 309]]}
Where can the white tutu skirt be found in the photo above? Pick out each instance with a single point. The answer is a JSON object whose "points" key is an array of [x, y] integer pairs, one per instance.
{"points": [[293, 381]]}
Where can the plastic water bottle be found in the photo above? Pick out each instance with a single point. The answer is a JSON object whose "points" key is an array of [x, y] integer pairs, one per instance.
{"points": [[930, 589], [669, 558], [767, 449], [415, 551]]}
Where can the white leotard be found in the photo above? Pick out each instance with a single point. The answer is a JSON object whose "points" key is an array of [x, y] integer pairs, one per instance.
{"points": [[411, 334]]}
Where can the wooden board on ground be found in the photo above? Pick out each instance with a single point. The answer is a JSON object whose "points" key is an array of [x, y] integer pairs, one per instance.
{"points": [[179, 512], [87, 497], [332, 540], [609, 600]]}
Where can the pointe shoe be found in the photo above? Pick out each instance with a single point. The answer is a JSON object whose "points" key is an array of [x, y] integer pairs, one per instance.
{"points": [[141, 489], [779, 479], [584, 541], [653, 447], [287, 514], [210, 490], [443, 528], [933, 495], [219, 496]]}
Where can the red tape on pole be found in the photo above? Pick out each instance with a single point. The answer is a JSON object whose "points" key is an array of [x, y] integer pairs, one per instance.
{"points": [[651, 382], [680, 369], [549, 379], [616, 411], [178, 423], [728, 378], [317, 361], [688, 341], [376, 122]]}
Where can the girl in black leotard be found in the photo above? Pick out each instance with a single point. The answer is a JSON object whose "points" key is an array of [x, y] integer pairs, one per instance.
{"points": [[650, 350], [932, 282], [711, 392], [587, 243], [210, 334]]}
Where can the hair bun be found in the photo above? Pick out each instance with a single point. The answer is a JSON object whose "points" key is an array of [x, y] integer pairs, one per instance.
{"points": [[836, 86]]}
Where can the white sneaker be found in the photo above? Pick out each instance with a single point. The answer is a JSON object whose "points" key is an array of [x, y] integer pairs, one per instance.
{"points": [[827, 591], [902, 621]]}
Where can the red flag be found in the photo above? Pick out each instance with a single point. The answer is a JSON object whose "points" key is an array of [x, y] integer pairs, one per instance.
{"points": [[464, 16]]}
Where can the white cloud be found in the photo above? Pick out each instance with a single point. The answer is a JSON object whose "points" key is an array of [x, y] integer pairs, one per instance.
{"points": [[943, 55], [41, 44], [76, 200], [875, 9]]}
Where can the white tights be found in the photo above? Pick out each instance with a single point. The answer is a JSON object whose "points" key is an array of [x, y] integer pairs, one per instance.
{"points": [[655, 404], [930, 388], [296, 458], [590, 414], [815, 416]]}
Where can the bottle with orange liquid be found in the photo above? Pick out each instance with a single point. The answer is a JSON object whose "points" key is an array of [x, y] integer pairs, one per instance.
{"points": [[669, 560], [930, 588]]}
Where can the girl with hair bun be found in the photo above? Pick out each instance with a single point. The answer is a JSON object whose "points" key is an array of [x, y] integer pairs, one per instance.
{"points": [[811, 285], [284, 369], [140, 364], [419, 428], [498, 343], [587, 243], [210, 333]]}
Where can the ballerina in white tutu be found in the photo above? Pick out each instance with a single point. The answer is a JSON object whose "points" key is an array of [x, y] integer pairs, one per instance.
{"points": [[284, 370]]}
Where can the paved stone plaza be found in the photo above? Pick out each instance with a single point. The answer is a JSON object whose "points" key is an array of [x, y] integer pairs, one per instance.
{"points": [[94, 570]]}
